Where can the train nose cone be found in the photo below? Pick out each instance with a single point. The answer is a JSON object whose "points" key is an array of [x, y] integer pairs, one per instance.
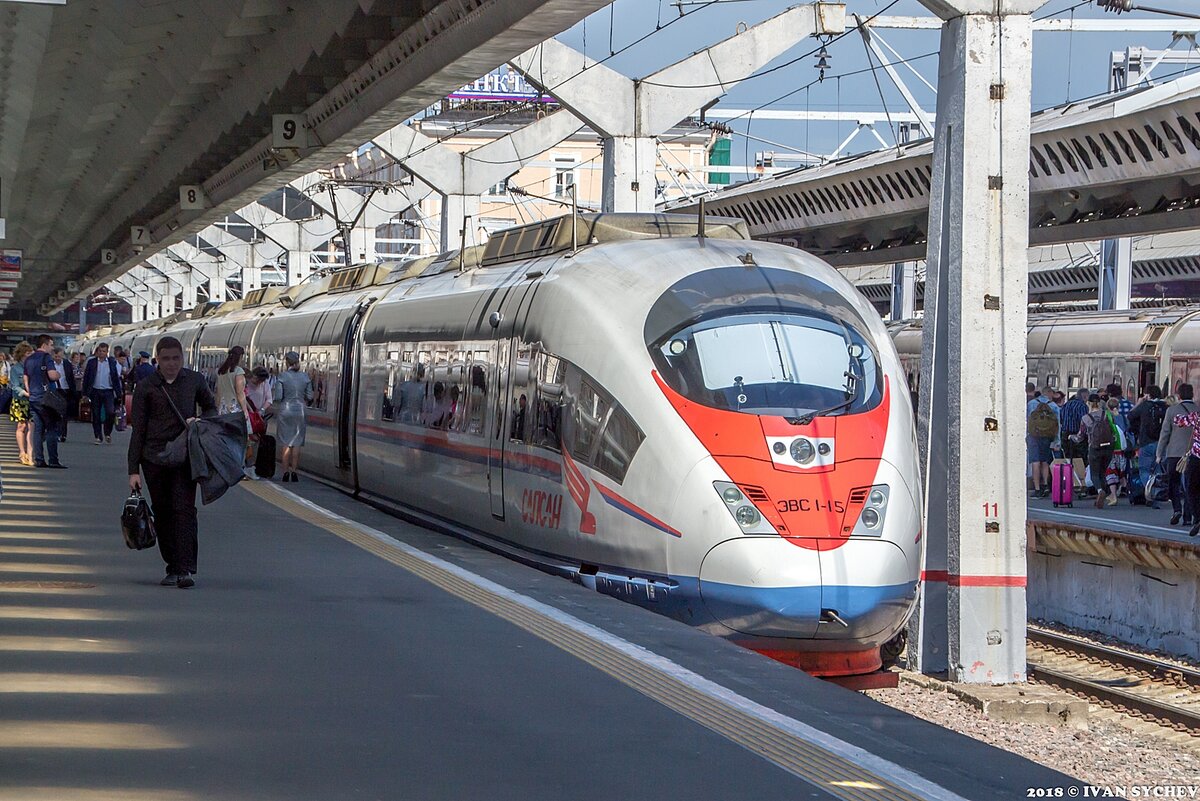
{"points": [[777, 587], [763, 586]]}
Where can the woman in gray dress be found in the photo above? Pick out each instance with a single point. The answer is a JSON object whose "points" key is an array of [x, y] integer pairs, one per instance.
{"points": [[293, 391]]}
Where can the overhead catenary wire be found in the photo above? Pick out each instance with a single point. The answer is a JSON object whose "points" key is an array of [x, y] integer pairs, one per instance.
{"points": [[777, 67]]}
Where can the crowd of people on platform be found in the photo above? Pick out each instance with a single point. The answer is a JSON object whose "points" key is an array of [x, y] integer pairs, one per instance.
{"points": [[1117, 447], [178, 419], [98, 388]]}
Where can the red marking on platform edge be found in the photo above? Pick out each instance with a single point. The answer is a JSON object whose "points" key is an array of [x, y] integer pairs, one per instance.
{"points": [[882, 680], [955, 580]]}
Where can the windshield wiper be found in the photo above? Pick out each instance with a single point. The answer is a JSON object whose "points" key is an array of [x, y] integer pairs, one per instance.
{"points": [[851, 390]]}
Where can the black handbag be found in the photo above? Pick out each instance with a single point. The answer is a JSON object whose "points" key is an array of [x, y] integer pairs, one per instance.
{"points": [[56, 402], [137, 523]]}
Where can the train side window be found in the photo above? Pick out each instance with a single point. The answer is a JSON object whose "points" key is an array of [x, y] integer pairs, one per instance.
{"points": [[1052, 381], [618, 443], [522, 368], [547, 421], [438, 408], [1116, 379], [394, 367], [1095, 382], [1074, 381], [1131, 390], [588, 413], [475, 396]]}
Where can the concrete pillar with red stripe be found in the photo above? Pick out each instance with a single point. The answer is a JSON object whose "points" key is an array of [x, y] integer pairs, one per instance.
{"points": [[971, 620]]}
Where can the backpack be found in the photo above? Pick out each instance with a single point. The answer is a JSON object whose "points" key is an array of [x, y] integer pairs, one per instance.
{"points": [[1152, 423], [1043, 421], [1101, 436]]}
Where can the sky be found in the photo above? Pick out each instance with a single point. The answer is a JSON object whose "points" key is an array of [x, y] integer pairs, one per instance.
{"points": [[1067, 66]]}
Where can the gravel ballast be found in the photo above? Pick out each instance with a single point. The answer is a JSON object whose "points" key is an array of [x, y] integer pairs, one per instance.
{"points": [[1108, 755]]}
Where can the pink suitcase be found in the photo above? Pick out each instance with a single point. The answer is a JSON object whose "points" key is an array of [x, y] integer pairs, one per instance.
{"points": [[1062, 484]]}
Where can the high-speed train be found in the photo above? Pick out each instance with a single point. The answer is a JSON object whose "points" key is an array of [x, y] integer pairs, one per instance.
{"points": [[714, 428], [1074, 350]]}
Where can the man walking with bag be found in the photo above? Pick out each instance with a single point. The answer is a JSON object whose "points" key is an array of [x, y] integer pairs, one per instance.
{"points": [[101, 380], [164, 404], [41, 379]]}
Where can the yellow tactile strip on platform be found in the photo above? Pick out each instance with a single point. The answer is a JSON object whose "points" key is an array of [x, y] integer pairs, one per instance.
{"points": [[827, 770]]}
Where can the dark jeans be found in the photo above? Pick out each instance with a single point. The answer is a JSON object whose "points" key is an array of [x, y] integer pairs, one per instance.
{"points": [[1097, 462], [45, 430], [1191, 489], [1181, 503], [104, 407], [173, 501]]}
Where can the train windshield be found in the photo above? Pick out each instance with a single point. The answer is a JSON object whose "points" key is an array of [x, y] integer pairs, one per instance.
{"points": [[791, 347]]}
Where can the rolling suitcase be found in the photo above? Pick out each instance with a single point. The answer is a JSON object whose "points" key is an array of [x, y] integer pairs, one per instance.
{"points": [[264, 460], [1062, 484], [85, 410]]}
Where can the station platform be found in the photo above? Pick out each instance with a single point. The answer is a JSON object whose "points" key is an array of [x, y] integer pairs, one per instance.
{"points": [[1124, 518], [331, 651]]}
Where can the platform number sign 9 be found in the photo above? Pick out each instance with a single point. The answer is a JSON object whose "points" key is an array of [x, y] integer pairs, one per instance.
{"points": [[287, 130]]}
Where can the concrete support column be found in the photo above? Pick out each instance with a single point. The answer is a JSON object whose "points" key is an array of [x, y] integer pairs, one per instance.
{"points": [[455, 211], [629, 182], [904, 290], [251, 274], [298, 266], [630, 114], [1116, 274], [189, 295], [971, 618], [362, 243], [137, 311]]}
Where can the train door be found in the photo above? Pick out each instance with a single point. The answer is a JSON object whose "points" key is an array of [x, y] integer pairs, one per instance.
{"points": [[497, 412], [1147, 376], [346, 404], [194, 350], [500, 412]]}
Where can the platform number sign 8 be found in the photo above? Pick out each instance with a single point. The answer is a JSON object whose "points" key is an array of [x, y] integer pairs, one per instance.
{"points": [[287, 130], [191, 198]]}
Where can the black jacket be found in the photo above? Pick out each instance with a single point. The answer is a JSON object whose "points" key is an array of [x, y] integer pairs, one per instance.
{"points": [[1146, 420], [214, 451], [89, 374], [154, 422]]}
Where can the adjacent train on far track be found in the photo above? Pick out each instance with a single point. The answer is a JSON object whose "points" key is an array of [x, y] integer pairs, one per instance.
{"points": [[714, 428], [1074, 350]]}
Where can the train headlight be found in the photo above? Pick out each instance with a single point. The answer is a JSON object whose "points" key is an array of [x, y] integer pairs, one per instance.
{"points": [[803, 451], [748, 517], [871, 505]]}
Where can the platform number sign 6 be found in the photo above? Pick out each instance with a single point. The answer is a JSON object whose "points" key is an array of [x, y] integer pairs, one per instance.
{"points": [[287, 130]]}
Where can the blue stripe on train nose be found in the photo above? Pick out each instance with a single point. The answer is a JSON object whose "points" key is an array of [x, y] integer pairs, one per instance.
{"points": [[795, 611]]}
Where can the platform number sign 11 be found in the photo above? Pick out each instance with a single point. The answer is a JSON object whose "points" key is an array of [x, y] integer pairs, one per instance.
{"points": [[287, 130]]}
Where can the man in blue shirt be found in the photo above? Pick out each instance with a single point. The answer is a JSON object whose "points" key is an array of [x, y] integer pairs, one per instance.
{"points": [[40, 376], [101, 381]]}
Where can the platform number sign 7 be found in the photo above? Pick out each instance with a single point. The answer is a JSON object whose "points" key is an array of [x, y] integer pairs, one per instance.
{"points": [[140, 235], [288, 130]]}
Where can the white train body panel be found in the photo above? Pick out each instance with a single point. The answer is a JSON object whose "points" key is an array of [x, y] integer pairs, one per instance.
{"points": [[563, 409]]}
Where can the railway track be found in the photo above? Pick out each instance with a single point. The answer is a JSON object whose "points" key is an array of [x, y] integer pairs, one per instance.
{"points": [[1147, 688]]}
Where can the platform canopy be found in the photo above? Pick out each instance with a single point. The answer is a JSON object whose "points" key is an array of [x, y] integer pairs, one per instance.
{"points": [[107, 109]]}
